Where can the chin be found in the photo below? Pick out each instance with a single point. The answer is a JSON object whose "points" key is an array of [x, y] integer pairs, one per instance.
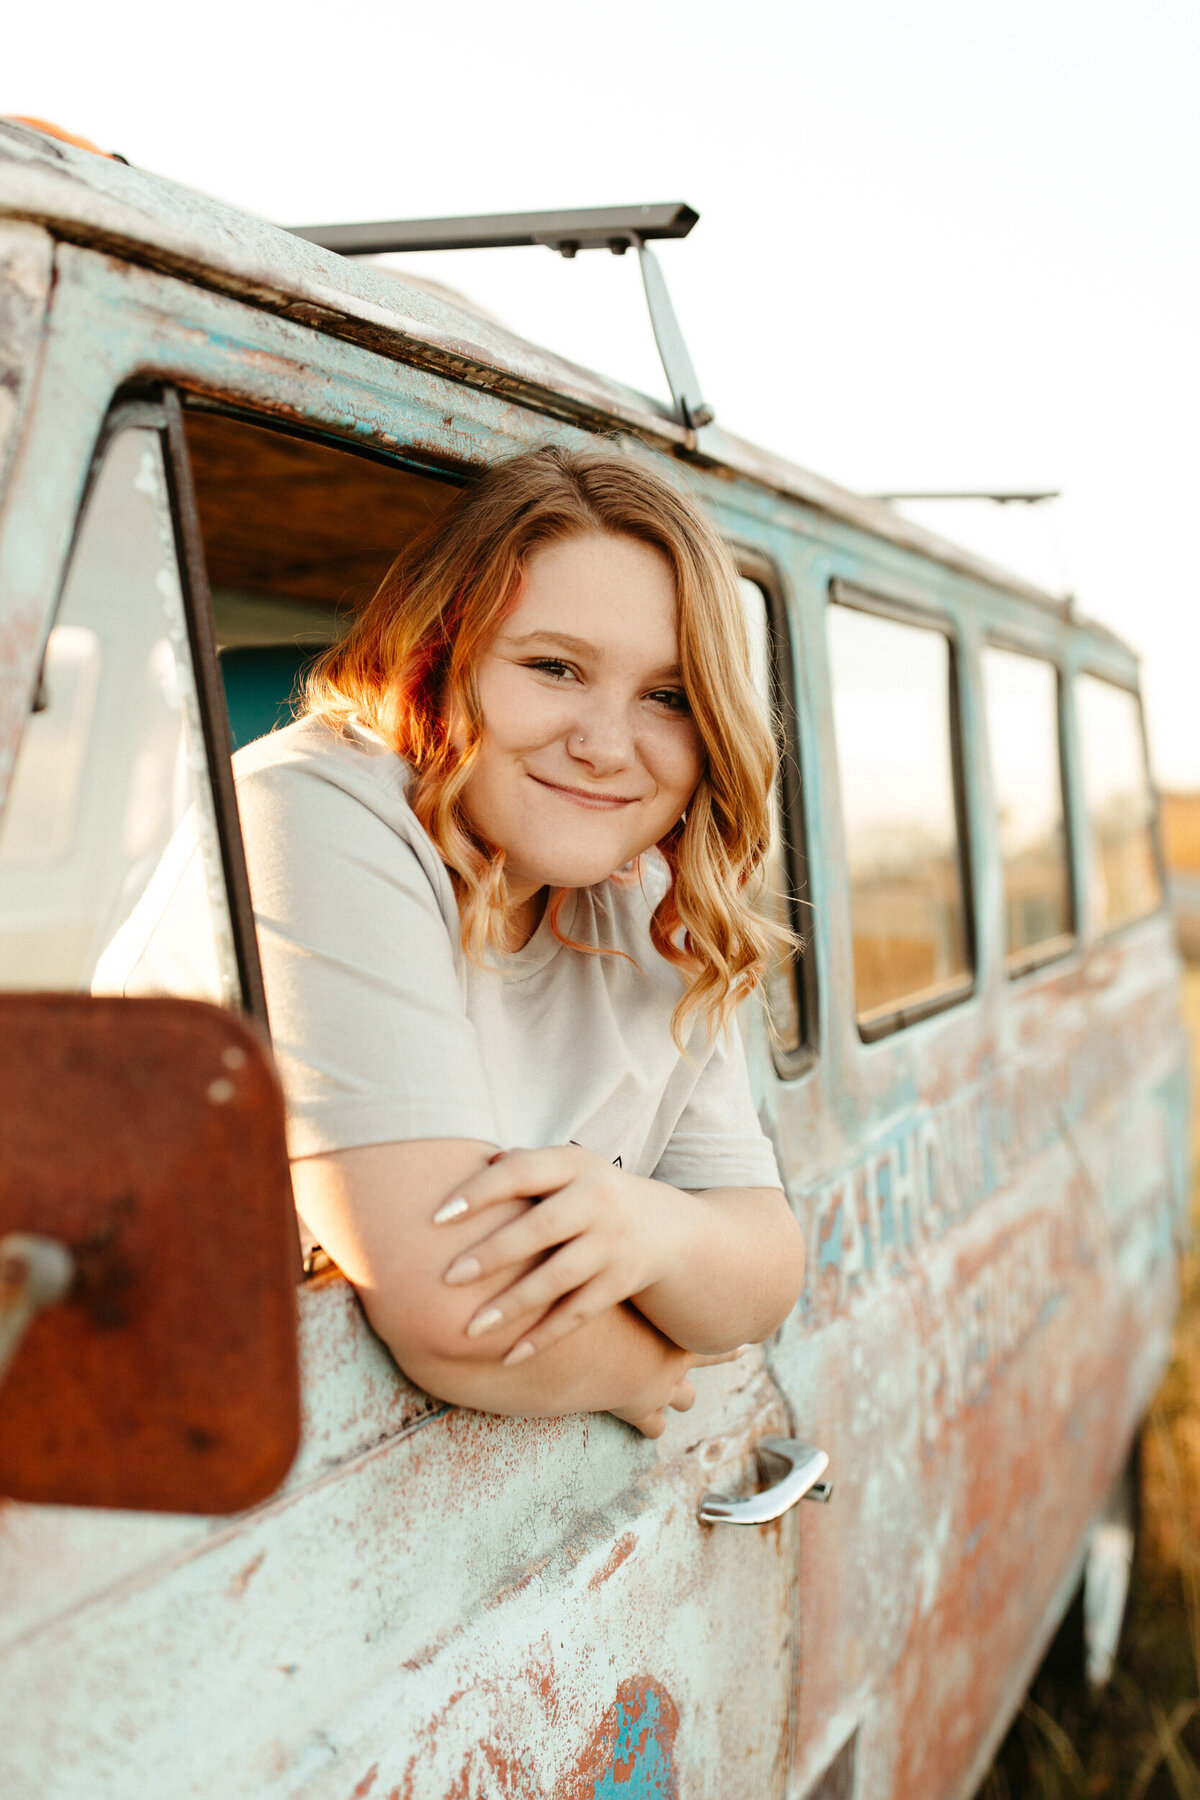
{"points": [[581, 871], [580, 877]]}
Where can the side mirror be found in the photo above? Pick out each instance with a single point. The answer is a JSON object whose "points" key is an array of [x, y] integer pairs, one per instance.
{"points": [[144, 1178]]}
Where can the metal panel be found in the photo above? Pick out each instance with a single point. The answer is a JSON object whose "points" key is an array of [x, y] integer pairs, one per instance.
{"points": [[991, 1201], [436, 1597], [517, 1607], [26, 253], [26, 261]]}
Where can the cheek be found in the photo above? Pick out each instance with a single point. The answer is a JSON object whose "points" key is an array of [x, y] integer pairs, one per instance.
{"points": [[677, 758], [518, 714]]}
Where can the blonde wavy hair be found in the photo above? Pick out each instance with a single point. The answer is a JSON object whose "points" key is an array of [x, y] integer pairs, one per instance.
{"points": [[410, 661]]}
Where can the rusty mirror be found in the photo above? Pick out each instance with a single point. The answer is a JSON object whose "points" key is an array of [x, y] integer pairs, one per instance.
{"points": [[147, 1257], [148, 1251]]}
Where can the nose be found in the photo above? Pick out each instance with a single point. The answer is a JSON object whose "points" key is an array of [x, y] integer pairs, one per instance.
{"points": [[602, 737]]}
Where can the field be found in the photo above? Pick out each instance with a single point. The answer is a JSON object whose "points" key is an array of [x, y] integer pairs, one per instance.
{"points": [[1179, 815], [1141, 1739]]}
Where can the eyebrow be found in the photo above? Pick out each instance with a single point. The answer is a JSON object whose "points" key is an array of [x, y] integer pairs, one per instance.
{"points": [[562, 640]]}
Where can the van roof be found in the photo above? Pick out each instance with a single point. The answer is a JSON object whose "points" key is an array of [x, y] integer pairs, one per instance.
{"points": [[90, 199]]}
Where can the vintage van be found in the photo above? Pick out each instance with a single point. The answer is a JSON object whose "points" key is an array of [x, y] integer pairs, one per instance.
{"points": [[213, 438]]}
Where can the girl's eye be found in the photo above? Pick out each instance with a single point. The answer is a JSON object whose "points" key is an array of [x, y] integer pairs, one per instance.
{"points": [[552, 666], [674, 699]]}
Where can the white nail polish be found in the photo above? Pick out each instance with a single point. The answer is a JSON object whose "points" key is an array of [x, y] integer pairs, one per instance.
{"points": [[519, 1353], [452, 1209], [484, 1321]]}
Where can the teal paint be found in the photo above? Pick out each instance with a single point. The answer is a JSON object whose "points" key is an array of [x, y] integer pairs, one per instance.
{"points": [[642, 1767]]}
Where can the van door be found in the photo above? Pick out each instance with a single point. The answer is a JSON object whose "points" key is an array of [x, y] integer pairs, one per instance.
{"points": [[436, 1600], [847, 1358]]}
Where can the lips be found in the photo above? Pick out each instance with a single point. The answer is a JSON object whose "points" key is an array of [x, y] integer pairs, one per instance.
{"points": [[586, 796]]}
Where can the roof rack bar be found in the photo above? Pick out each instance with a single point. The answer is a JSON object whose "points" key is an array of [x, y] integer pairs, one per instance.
{"points": [[589, 228], [614, 228], [1005, 497]]}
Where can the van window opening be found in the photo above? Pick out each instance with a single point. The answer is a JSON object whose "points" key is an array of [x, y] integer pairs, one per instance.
{"points": [[1125, 873], [1024, 736], [297, 536], [896, 732]]}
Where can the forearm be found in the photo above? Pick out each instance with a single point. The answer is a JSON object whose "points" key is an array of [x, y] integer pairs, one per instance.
{"points": [[609, 1364], [734, 1270]]}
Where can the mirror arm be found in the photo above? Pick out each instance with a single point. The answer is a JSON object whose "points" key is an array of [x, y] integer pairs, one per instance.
{"points": [[35, 1272]]}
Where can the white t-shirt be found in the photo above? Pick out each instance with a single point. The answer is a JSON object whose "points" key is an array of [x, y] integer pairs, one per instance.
{"points": [[385, 1030]]}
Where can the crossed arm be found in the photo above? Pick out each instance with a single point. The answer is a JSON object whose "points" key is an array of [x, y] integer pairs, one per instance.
{"points": [[602, 1295]]}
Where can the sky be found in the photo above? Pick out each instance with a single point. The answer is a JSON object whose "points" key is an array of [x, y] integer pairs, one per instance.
{"points": [[941, 245]]}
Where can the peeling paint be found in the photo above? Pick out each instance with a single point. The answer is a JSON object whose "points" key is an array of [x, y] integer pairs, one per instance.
{"points": [[631, 1756], [624, 1547]]}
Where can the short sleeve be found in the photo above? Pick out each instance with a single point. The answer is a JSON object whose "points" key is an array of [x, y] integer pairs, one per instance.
{"points": [[368, 1019], [718, 1141]]}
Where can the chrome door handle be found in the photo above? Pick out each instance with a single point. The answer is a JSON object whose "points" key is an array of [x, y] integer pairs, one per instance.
{"points": [[792, 1472]]}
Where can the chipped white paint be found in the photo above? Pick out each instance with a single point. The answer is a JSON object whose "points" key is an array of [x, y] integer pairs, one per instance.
{"points": [[423, 1577]]}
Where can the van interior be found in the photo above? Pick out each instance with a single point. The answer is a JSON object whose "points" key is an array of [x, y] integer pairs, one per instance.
{"points": [[297, 536]]}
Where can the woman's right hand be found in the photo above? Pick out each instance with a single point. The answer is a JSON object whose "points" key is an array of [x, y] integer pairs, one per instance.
{"points": [[673, 1391]]}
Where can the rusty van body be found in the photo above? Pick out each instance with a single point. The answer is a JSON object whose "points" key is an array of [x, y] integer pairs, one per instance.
{"points": [[976, 1083]]}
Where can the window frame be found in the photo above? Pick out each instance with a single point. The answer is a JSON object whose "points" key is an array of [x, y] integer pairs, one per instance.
{"points": [[1108, 933], [1055, 949], [157, 408], [755, 566], [842, 592]]}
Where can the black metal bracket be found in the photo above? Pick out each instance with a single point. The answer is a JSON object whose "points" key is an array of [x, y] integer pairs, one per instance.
{"points": [[613, 228]]}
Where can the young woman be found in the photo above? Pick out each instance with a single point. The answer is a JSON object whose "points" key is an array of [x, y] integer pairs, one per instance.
{"points": [[502, 874]]}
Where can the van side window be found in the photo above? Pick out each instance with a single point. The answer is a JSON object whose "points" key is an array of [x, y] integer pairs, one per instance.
{"points": [[113, 758], [1023, 732], [782, 988], [1126, 881], [895, 729]]}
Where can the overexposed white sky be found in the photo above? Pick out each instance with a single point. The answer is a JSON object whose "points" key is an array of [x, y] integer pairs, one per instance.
{"points": [[941, 245]]}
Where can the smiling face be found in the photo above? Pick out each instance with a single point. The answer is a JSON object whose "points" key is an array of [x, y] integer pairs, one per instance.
{"points": [[589, 753]]}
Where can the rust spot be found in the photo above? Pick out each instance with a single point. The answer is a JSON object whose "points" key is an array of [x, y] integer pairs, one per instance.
{"points": [[624, 1547], [60, 132], [244, 1577], [367, 1783]]}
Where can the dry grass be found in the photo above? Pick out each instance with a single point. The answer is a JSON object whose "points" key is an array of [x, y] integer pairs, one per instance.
{"points": [[1179, 815], [1140, 1740]]}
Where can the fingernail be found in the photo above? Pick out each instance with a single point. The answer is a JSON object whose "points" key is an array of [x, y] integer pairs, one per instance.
{"points": [[519, 1353], [453, 1209], [466, 1268], [484, 1321]]}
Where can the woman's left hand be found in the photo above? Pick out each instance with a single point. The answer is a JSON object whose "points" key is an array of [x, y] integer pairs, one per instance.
{"points": [[602, 1235]]}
